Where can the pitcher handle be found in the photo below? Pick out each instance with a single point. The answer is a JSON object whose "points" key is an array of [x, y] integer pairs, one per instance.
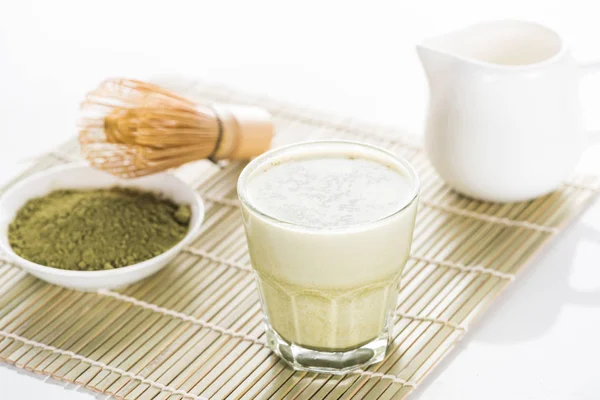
{"points": [[590, 67], [587, 68]]}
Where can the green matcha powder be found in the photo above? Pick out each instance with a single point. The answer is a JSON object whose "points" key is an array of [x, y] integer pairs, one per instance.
{"points": [[97, 229]]}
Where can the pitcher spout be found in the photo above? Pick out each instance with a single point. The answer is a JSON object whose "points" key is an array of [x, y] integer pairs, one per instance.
{"points": [[496, 44], [435, 62]]}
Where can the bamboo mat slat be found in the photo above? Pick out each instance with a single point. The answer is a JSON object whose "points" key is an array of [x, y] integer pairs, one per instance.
{"points": [[194, 330]]}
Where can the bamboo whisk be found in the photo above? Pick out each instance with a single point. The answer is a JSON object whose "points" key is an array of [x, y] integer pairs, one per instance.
{"points": [[131, 128]]}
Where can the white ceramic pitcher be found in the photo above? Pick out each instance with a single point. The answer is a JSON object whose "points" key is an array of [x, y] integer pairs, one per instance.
{"points": [[504, 121]]}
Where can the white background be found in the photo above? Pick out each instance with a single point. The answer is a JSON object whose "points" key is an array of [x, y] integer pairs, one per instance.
{"points": [[541, 339]]}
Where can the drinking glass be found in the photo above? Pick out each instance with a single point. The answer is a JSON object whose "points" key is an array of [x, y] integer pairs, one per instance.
{"points": [[328, 293]]}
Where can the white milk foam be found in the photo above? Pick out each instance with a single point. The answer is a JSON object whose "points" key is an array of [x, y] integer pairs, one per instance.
{"points": [[329, 190]]}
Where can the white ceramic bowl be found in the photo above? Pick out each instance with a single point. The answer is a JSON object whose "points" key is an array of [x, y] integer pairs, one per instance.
{"points": [[81, 176]]}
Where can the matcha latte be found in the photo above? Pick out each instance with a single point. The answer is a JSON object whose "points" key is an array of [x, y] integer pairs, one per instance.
{"points": [[329, 227]]}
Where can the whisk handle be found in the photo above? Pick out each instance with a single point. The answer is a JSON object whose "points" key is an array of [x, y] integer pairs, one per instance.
{"points": [[246, 131]]}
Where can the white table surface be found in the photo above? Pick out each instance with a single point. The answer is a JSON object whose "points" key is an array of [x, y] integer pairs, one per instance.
{"points": [[541, 338]]}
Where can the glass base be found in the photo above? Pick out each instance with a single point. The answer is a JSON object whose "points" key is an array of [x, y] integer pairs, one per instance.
{"points": [[329, 362]]}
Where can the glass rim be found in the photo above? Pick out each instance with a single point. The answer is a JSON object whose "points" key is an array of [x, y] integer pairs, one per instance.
{"points": [[260, 160]]}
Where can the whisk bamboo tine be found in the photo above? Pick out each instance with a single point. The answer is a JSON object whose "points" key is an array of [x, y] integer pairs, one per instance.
{"points": [[140, 88], [133, 128]]}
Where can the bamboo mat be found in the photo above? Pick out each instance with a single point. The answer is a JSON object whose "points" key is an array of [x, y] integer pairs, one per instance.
{"points": [[194, 329]]}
